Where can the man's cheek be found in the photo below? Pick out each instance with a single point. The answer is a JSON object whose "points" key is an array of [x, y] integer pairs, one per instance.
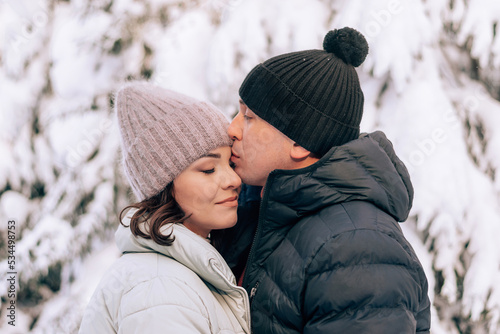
{"points": [[263, 137], [250, 154], [258, 143]]}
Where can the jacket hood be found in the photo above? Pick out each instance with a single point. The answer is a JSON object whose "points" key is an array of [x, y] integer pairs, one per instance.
{"points": [[364, 169], [188, 248]]}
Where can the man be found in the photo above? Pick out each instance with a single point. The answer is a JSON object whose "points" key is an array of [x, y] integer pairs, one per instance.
{"points": [[325, 252]]}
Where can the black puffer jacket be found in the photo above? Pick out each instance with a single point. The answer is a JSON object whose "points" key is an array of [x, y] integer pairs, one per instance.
{"points": [[328, 254]]}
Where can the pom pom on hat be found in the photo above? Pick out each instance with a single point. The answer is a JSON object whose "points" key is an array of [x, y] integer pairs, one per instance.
{"points": [[348, 44]]}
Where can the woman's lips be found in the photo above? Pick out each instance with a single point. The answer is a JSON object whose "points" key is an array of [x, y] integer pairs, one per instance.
{"points": [[230, 201]]}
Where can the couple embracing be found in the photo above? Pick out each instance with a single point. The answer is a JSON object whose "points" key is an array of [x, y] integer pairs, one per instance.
{"points": [[283, 221]]}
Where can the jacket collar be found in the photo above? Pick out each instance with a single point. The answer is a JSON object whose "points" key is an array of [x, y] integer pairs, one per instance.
{"points": [[188, 248]]}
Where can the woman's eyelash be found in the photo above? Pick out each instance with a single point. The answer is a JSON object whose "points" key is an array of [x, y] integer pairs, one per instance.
{"points": [[232, 164], [209, 171]]}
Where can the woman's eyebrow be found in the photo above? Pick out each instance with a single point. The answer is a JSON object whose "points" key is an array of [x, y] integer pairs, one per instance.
{"points": [[241, 102], [212, 155]]}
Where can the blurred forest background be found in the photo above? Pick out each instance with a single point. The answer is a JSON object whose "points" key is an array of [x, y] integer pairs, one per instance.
{"points": [[431, 82]]}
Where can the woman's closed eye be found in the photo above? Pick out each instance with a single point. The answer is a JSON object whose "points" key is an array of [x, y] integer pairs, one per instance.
{"points": [[208, 171]]}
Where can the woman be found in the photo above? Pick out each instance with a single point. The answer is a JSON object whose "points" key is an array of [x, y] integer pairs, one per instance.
{"points": [[170, 279]]}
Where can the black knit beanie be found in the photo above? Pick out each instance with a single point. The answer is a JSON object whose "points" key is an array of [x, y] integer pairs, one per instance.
{"points": [[313, 96]]}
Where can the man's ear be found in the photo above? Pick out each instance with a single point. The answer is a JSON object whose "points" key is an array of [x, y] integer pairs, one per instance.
{"points": [[298, 153]]}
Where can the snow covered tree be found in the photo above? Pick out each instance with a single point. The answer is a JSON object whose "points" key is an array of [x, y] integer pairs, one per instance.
{"points": [[431, 82]]}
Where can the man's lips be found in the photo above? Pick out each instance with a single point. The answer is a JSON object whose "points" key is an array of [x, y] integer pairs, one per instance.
{"points": [[234, 156], [230, 201]]}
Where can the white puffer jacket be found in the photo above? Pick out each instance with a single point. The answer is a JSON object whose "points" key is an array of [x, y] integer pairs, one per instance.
{"points": [[183, 288]]}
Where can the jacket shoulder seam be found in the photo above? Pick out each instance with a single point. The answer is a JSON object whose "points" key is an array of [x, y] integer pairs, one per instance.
{"points": [[163, 303], [167, 304], [335, 235]]}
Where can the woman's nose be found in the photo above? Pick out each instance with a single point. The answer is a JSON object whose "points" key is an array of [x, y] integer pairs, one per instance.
{"points": [[231, 179]]}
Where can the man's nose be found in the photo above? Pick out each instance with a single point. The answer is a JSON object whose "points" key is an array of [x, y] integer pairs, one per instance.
{"points": [[235, 128]]}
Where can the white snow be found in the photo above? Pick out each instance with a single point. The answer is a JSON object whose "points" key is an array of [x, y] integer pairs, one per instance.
{"points": [[478, 23], [14, 206]]}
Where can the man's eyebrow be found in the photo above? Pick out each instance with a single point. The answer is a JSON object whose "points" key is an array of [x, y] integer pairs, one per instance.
{"points": [[212, 155], [241, 102]]}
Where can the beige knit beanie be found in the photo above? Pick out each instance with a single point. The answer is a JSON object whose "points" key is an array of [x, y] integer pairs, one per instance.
{"points": [[162, 133]]}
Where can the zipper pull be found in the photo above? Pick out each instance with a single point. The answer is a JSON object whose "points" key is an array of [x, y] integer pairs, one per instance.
{"points": [[254, 290]]}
